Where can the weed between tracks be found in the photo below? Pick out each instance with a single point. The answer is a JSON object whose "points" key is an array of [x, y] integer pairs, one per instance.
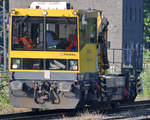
{"points": [[86, 116], [126, 115]]}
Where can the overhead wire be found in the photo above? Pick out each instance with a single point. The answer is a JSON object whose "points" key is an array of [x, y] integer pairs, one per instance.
{"points": [[93, 7], [28, 3], [77, 4]]}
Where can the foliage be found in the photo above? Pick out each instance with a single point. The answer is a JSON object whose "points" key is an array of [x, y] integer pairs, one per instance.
{"points": [[146, 57], [146, 75], [146, 83], [146, 24], [4, 98]]}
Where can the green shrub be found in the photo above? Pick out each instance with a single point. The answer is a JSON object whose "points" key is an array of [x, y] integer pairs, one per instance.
{"points": [[4, 91], [146, 82]]}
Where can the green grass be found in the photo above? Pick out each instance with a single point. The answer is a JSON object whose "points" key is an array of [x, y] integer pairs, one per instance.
{"points": [[5, 105], [146, 83], [146, 57], [4, 97], [146, 76]]}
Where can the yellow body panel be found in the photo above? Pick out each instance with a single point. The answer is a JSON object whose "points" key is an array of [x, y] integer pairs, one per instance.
{"points": [[39, 12], [13, 70], [44, 55], [99, 20], [88, 58]]}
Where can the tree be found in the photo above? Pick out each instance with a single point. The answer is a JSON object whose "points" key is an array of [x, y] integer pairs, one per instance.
{"points": [[146, 24]]}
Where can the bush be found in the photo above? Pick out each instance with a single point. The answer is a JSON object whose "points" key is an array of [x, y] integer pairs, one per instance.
{"points": [[146, 82], [4, 91]]}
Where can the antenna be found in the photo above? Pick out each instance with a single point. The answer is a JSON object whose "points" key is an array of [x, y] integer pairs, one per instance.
{"points": [[77, 4], [93, 7]]}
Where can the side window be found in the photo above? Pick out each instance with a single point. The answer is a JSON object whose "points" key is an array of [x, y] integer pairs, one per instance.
{"points": [[38, 64], [82, 34], [88, 31], [27, 33], [61, 34]]}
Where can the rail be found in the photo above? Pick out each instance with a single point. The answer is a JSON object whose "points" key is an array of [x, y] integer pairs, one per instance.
{"points": [[60, 114]]}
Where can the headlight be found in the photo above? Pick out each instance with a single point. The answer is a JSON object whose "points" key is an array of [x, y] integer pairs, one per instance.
{"points": [[16, 63], [75, 12], [14, 66], [73, 65], [13, 11], [44, 13]]}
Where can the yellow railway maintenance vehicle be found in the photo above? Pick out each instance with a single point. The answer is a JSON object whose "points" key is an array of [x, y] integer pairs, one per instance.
{"points": [[58, 59]]}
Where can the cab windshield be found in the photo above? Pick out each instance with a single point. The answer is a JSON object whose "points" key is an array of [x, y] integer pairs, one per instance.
{"points": [[44, 33]]}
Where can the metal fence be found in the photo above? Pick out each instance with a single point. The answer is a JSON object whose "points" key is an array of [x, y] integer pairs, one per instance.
{"points": [[123, 58], [115, 60]]}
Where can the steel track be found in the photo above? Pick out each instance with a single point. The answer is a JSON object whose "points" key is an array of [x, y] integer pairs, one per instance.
{"points": [[58, 114], [47, 114]]}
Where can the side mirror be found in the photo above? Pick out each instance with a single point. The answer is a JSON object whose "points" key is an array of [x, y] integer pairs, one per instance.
{"points": [[84, 22], [100, 37], [108, 44]]}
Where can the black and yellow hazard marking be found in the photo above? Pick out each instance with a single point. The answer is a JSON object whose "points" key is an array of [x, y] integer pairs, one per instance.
{"points": [[103, 88], [139, 85]]}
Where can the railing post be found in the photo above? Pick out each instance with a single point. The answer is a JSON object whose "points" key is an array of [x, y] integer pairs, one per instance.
{"points": [[4, 35], [113, 56]]}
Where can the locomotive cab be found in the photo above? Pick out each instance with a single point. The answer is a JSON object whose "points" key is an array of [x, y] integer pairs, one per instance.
{"points": [[58, 57], [47, 53]]}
